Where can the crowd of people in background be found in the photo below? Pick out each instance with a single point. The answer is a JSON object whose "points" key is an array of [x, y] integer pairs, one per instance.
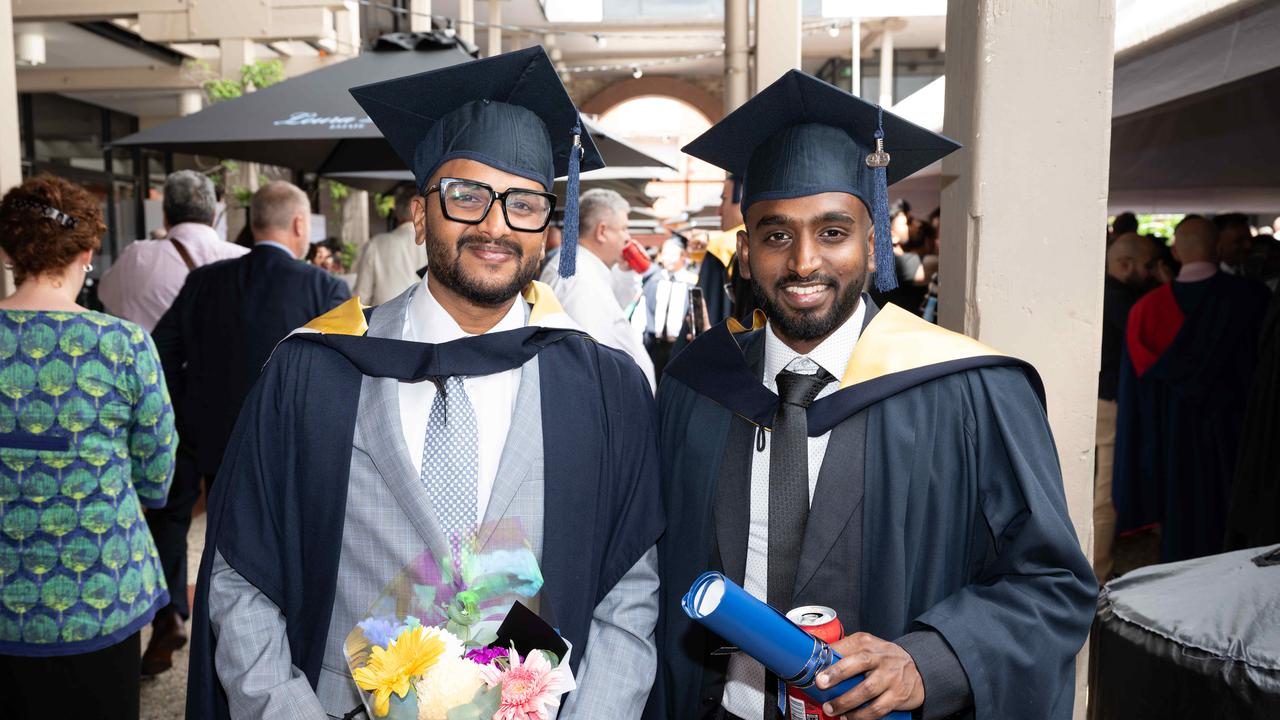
{"points": [[1188, 344], [1188, 389]]}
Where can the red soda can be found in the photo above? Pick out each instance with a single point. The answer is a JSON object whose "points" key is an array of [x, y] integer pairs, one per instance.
{"points": [[635, 257], [822, 623]]}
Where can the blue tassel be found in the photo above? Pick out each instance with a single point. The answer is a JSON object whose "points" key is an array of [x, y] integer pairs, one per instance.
{"points": [[878, 161], [569, 234]]}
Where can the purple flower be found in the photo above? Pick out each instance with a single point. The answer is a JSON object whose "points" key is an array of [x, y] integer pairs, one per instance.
{"points": [[378, 631], [486, 656]]}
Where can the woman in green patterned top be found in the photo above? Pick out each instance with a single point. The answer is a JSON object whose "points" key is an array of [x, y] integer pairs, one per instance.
{"points": [[86, 440]]}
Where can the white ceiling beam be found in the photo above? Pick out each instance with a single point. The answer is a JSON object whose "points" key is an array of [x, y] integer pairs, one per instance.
{"points": [[154, 77]]}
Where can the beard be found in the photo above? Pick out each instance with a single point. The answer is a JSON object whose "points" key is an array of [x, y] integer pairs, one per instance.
{"points": [[448, 270], [814, 324]]}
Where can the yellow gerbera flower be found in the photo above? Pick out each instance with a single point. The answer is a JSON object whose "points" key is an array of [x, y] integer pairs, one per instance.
{"points": [[393, 669]]}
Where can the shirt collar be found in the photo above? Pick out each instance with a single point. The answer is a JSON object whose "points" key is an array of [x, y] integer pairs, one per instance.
{"points": [[430, 323], [194, 232], [589, 261], [831, 354], [276, 245], [1196, 271]]}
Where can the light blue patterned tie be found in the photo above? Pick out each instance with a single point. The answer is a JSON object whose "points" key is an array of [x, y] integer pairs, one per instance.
{"points": [[450, 460]]}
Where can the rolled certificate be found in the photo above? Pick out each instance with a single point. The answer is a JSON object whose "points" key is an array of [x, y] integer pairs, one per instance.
{"points": [[766, 635]]}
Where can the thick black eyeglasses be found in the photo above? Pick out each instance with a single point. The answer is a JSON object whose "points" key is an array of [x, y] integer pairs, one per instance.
{"points": [[468, 201]]}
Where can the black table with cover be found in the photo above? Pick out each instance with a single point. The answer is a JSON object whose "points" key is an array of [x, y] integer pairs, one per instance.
{"points": [[1192, 639]]}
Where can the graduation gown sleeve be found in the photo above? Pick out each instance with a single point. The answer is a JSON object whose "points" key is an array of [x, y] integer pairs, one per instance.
{"points": [[1019, 621], [283, 479]]}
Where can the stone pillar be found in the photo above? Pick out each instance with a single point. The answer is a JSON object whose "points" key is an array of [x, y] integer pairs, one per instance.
{"points": [[886, 64], [1032, 289], [420, 16], [495, 32], [855, 63], [346, 24], [190, 102], [466, 20], [10, 143], [355, 219], [777, 40], [737, 54], [235, 54]]}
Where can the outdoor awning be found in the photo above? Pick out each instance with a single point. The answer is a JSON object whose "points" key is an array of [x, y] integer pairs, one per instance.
{"points": [[1196, 119], [311, 123]]}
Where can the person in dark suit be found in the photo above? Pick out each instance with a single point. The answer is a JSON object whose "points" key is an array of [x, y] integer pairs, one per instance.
{"points": [[213, 341]]}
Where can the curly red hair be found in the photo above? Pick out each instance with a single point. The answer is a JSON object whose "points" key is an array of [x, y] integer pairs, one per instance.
{"points": [[37, 244]]}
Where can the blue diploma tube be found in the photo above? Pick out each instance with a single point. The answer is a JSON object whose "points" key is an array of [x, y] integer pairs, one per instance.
{"points": [[766, 635]]}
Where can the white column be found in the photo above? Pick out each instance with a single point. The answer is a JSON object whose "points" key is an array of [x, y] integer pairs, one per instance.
{"points": [[420, 16], [737, 54], [466, 20], [10, 143], [1029, 288], [777, 40], [855, 67], [235, 54], [190, 102], [495, 32], [346, 23], [886, 64], [556, 56]]}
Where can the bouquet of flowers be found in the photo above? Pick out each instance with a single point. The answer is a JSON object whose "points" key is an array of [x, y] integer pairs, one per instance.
{"points": [[461, 640]]}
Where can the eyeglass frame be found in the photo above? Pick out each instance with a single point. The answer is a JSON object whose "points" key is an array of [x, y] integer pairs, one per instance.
{"points": [[494, 196]]}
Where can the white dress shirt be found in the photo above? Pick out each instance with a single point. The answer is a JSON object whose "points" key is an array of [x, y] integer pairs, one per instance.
{"points": [[671, 300], [144, 281], [589, 299], [744, 688], [388, 265], [492, 396]]}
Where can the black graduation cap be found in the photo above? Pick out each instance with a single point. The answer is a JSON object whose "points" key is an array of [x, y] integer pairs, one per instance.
{"points": [[509, 111], [802, 136]]}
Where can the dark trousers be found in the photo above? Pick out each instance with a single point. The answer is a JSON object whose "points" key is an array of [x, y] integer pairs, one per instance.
{"points": [[659, 353], [101, 684], [169, 526]]}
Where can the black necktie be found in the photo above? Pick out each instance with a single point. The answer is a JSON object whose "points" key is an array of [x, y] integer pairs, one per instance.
{"points": [[788, 493]]}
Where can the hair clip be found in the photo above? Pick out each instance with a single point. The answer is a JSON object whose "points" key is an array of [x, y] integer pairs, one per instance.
{"points": [[48, 211]]}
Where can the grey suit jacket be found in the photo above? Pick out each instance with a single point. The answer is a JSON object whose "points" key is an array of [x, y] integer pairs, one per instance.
{"points": [[390, 521]]}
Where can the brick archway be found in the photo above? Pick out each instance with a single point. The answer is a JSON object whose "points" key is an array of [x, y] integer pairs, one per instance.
{"points": [[666, 86]]}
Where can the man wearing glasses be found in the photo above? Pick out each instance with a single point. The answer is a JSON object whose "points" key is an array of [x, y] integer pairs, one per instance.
{"points": [[376, 438]]}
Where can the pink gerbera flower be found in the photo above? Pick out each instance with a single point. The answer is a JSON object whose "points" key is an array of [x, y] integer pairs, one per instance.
{"points": [[528, 688]]}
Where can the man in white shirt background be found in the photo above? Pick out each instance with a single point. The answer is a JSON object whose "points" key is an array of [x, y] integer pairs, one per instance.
{"points": [[141, 285], [389, 263], [588, 297], [666, 299]]}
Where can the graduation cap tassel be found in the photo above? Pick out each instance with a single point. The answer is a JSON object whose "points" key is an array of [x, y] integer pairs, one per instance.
{"points": [[878, 161], [569, 235]]}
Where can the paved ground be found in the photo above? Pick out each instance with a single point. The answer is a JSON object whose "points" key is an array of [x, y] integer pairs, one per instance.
{"points": [[164, 696]]}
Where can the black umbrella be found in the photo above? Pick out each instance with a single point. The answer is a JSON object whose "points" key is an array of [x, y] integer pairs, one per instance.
{"points": [[311, 123]]}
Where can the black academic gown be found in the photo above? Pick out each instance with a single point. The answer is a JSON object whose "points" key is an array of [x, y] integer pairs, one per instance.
{"points": [[1255, 504], [1178, 426], [276, 513], [939, 506]]}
